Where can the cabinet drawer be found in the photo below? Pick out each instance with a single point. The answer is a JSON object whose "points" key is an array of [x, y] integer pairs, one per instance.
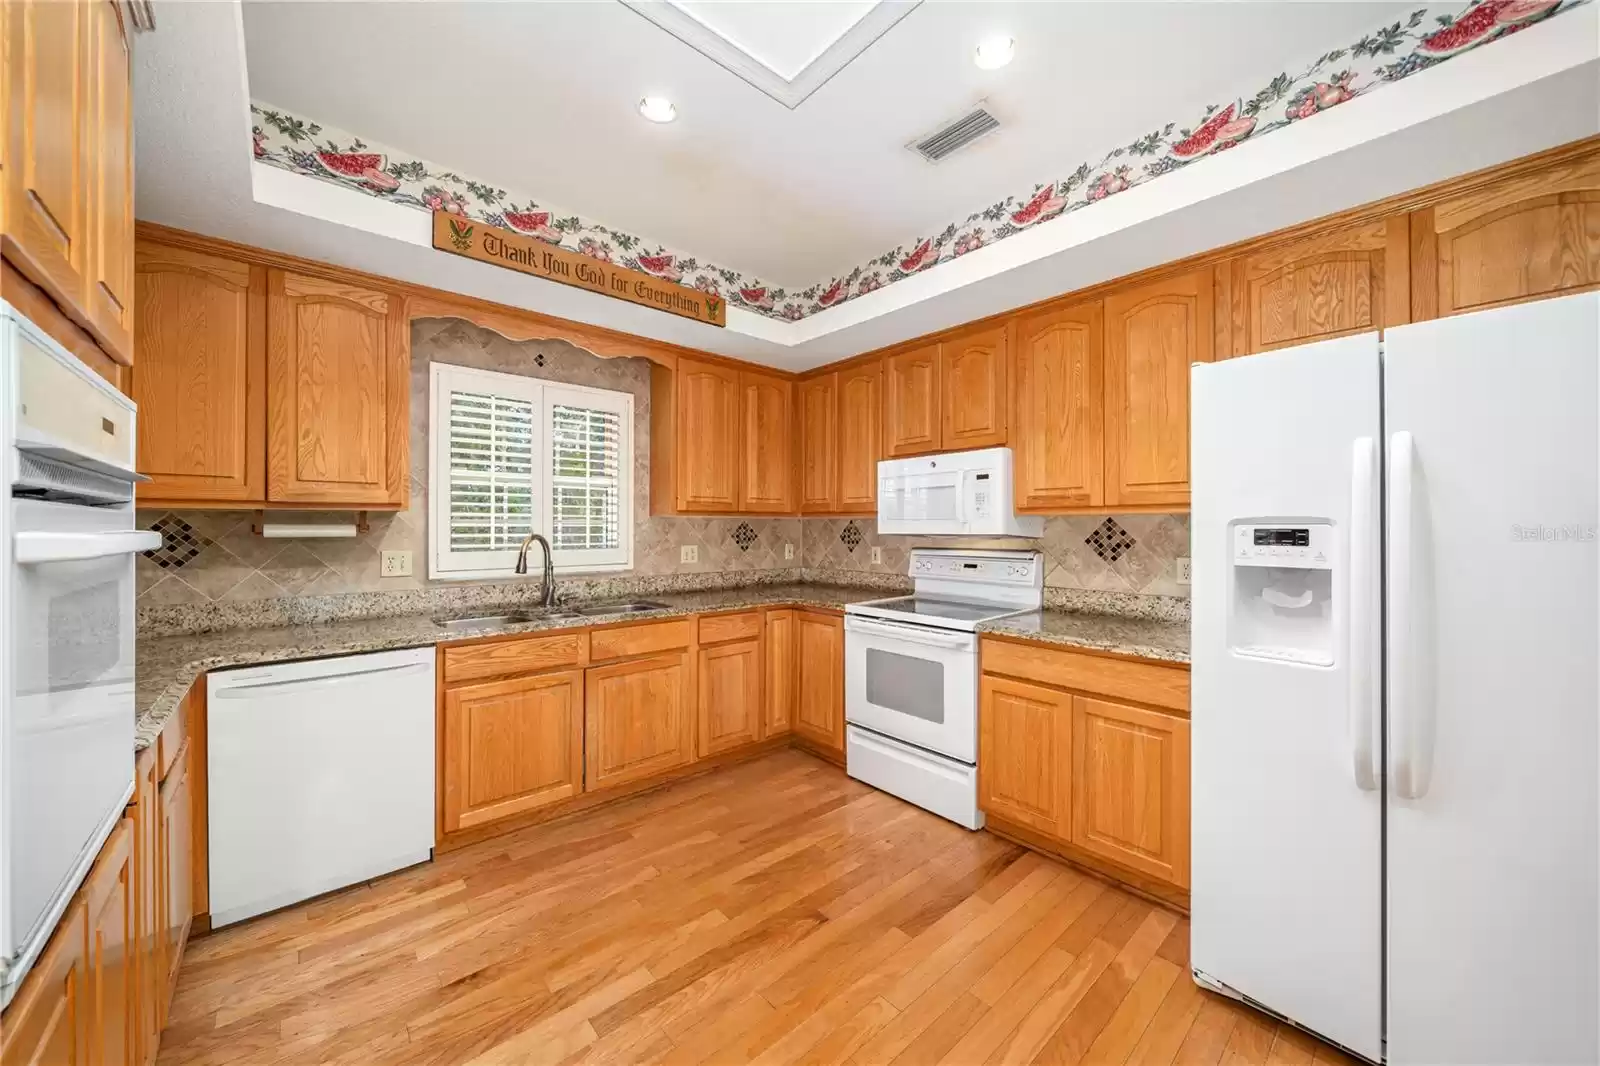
{"points": [[641, 640], [1160, 686], [716, 628], [473, 661]]}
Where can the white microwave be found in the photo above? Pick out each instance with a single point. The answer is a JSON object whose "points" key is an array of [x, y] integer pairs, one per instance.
{"points": [[958, 494]]}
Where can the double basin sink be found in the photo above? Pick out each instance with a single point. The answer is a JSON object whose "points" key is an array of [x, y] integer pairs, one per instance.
{"points": [[509, 618]]}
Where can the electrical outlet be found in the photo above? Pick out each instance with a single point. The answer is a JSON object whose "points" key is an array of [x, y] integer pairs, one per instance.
{"points": [[1183, 570], [788, 551], [395, 564], [689, 553], [877, 554]]}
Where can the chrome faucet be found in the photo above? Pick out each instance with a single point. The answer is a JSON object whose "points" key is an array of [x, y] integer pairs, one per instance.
{"points": [[547, 579]]}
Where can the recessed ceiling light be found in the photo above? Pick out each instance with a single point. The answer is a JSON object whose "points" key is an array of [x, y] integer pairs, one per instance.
{"points": [[657, 109], [995, 53]]}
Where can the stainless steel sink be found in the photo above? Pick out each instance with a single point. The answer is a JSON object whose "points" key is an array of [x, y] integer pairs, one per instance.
{"points": [[481, 621], [632, 607]]}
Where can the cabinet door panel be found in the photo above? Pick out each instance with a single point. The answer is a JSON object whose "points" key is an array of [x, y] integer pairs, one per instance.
{"points": [[819, 710], [819, 470], [511, 746], [975, 398], [177, 879], [860, 438], [1352, 280], [337, 393], [783, 671], [1130, 787], [1025, 754], [109, 896], [766, 482], [730, 696], [1526, 237], [1060, 408], [201, 329], [48, 1023], [149, 875], [911, 402], [1152, 335], [639, 720], [110, 290], [708, 440], [46, 218]]}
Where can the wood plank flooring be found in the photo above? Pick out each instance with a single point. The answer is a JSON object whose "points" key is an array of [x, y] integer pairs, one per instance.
{"points": [[776, 912]]}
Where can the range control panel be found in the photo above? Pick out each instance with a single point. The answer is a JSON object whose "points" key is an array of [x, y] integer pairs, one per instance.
{"points": [[1302, 546]]}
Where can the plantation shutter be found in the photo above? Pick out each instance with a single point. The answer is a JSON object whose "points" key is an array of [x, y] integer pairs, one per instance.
{"points": [[585, 478], [491, 471]]}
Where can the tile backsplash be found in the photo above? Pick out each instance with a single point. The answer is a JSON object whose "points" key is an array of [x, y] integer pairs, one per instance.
{"points": [[213, 556]]}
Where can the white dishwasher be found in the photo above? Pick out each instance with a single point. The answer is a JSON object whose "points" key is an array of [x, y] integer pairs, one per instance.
{"points": [[320, 774]]}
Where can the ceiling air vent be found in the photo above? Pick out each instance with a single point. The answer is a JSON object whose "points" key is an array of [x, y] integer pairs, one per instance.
{"points": [[954, 136]]}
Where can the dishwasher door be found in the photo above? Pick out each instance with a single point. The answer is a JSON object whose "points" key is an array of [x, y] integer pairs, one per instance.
{"points": [[320, 775]]}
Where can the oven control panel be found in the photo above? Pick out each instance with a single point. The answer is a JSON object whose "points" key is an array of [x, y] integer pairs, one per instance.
{"points": [[980, 567]]}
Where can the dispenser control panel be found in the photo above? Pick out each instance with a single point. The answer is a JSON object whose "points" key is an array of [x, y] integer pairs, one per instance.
{"points": [[1306, 546]]}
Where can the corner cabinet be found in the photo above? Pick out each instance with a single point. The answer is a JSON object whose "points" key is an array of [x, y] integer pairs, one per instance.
{"points": [[338, 393], [1060, 409], [722, 440], [1152, 335]]}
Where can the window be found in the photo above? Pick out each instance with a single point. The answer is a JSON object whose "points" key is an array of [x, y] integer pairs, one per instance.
{"points": [[510, 455]]}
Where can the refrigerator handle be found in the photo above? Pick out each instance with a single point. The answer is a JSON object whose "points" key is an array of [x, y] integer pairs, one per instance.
{"points": [[1362, 705], [1410, 713]]}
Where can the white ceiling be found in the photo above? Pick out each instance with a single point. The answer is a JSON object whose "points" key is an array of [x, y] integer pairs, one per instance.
{"points": [[540, 98]]}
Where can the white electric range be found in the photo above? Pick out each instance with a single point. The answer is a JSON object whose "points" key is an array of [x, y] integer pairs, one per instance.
{"points": [[911, 675]]}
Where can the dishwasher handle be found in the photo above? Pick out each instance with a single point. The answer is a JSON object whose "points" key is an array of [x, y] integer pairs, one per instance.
{"points": [[224, 691]]}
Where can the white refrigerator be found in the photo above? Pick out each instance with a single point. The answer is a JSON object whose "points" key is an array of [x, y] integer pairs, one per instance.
{"points": [[1394, 688]]}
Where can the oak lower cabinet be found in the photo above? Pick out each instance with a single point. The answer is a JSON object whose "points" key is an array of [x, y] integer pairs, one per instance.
{"points": [[176, 875], [149, 875], [511, 746], [639, 719], [782, 676], [819, 705], [112, 988], [1087, 756], [48, 1021], [729, 697]]}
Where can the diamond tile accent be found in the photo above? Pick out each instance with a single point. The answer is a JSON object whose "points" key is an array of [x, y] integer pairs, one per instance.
{"points": [[538, 360], [850, 536], [1110, 541], [181, 543], [744, 536]]}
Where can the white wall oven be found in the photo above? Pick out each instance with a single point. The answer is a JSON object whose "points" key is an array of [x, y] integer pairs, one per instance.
{"points": [[911, 675], [67, 548]]}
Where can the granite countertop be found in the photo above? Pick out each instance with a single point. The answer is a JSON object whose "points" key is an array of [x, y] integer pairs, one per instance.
{"points": [[168, 665]]}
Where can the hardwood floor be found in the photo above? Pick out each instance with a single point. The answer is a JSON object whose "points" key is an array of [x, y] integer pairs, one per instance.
{"points": [[774, 912]]}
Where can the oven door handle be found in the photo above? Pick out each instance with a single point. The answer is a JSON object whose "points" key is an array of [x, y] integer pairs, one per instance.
{"points": [[909, 634], [32, 548]]}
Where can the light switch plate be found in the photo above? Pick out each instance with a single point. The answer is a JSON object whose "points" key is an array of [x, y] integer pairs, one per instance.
{"points": [[395, 564], [1183, 570], [788, 551], [877, 554], [689, 553]]}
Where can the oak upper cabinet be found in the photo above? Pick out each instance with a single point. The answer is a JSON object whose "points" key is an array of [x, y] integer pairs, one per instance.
{"points": [[639, 719], [696, 434], [1130, 787], [1350, 280], [200, 383], [338, 393], [975, 399], [819, 708], [1521, 238], [1152, 334], [1025, 754], [48, 1022], [177, 871], [511, 746], [766, 473], [860, 437], [819, 444], [730, 696], [110, 290], [112, 986], [1060, 408], [782, 675], [911, 410]]}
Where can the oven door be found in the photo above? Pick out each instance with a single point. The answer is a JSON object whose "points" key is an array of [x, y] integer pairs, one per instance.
{"points": [[914, 683], [69, 714]]}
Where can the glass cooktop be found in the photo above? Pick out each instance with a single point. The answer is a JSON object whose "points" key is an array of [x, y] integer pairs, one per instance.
{"points": [[954, 610]]}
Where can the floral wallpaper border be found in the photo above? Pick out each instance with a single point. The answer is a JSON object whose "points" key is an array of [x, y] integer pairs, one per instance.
{"points": [[1432, 34]]}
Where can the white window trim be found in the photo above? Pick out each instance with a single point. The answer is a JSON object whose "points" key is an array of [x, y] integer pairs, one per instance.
{"points": [[446, 565]]}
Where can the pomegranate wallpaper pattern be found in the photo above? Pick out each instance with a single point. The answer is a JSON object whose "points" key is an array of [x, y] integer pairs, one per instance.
{"points": [[1432, 34]]}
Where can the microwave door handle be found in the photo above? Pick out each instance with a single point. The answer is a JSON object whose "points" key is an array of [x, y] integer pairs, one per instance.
{"points": [[33, 547], [907, 634]]}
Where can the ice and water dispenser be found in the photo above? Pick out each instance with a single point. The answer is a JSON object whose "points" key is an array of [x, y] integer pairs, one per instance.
{"points": [[1282, 596]]}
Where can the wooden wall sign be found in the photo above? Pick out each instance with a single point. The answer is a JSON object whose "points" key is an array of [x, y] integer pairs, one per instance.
{"points": [[530, 255]]}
